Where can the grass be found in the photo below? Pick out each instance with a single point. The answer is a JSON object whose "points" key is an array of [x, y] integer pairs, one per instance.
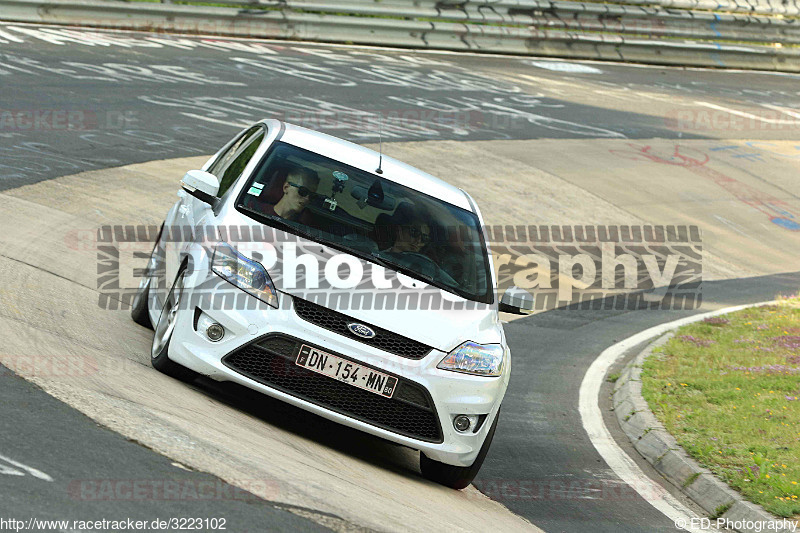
{"points": [[721, 510], [612, 378], [728, 389], [691, 479]]}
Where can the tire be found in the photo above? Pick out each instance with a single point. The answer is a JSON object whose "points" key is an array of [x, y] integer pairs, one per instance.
{"points": [[162, 334], [456, 477], [140, 312]]}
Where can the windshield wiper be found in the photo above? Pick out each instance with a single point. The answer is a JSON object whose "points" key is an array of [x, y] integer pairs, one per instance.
{"points": [[282, 223], [399, 267], [386, 262]]}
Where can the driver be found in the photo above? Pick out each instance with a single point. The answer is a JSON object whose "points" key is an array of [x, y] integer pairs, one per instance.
{"points": [[411, 230], [298, 189]]}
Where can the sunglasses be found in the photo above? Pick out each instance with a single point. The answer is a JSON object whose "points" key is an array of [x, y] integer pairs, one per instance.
{"points": [[417, 233], [302, 190]]}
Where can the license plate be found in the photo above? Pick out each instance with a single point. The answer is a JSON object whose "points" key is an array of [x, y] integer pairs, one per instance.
{"points": [[346, 371]]}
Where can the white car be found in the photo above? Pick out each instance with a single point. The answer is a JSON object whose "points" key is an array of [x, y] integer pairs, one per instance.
{"points": [[338, 280]]}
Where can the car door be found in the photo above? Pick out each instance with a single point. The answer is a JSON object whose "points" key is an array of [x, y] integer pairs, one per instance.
{"points": [[189, 214], [200, 215]]}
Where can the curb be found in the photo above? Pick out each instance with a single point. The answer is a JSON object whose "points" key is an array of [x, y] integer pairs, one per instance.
{"points": [[661, 450]]}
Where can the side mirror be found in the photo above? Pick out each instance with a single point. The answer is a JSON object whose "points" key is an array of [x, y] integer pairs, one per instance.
{"points": [[517, 301], [202, 185]]}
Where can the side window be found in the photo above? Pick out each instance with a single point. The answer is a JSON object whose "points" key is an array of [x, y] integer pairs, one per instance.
{"points": [[236, 167], [218, 166]]}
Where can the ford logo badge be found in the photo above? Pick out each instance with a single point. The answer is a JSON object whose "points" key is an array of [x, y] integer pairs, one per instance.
{"points": [[360, 330]]}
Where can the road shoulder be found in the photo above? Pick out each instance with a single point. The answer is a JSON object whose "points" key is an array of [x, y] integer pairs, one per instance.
{"points": [[659, 448]]}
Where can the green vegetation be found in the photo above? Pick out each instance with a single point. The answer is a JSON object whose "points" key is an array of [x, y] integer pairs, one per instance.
{"points": [[721, 510], [691, 479], [728, 389]]}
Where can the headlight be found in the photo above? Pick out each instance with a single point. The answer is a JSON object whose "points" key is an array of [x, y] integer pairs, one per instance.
{"points": [[474, 358], [247, 274]]}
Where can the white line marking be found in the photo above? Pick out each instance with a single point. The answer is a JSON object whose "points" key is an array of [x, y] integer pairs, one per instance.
{"points": [[32, 471], [232, 124], [785, 110], [745, 115], [428, 51], [592, 419], [8, 36], [735, 227], [563, 66], [8, 471]]}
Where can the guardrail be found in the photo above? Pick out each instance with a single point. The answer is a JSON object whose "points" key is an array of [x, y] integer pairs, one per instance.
{"points": [[479, 9], [567, 15], [505, 9], [653, 33]]}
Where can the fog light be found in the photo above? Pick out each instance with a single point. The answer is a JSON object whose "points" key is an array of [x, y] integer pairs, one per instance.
{"points": [[462, 423], [215, 332]]}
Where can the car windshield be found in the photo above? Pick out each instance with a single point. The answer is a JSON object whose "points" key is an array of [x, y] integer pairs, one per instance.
{"points": [[372, 217]]}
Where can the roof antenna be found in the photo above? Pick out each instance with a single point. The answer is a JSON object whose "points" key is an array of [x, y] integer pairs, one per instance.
{"points": [[379, 170]]}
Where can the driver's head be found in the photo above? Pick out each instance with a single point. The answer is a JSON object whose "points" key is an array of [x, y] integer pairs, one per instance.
{"points": [[413, 232], [413, 237], [301, 183]]}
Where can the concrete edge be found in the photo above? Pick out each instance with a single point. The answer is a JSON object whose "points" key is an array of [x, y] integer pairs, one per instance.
{"points": [[661, 450]]}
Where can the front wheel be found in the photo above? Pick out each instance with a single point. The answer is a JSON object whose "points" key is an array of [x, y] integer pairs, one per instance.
{"points": [[163, 333], [140, 312], [456, 477]]}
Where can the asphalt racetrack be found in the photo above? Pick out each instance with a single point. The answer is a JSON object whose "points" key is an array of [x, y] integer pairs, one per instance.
{"points": [[96, 128]]}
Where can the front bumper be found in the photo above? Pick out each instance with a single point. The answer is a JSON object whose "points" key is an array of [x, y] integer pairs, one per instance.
{"points": [[450, 393]]}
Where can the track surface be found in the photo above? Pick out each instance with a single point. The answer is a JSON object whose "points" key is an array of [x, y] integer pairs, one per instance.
{"points": [[97, 474], [137, 98], [134, 97], [97, 360], [564, 484]]}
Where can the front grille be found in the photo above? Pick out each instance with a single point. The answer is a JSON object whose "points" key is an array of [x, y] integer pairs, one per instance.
{"points": [[271, 361], [337, 322]]}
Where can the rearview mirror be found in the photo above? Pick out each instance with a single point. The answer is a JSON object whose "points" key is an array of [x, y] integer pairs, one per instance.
{"points": [[517, 301], [373, 196], [202, 185]]}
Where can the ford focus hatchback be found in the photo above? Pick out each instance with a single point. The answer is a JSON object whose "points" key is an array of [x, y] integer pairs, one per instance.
{"points": [[338, 280]]}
